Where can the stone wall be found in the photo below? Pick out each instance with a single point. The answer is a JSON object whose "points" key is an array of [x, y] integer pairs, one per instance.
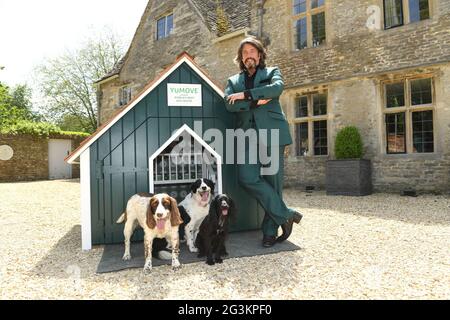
{"points": [[30, 159], [305, 171], [350, 66], [109, 100], [352, 49], [147, 57], [358, 101], [424, 172]]}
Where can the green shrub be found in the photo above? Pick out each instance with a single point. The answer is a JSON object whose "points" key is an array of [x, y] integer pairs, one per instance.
{"points": [[348, 144], [75, 134], [38, 129]]}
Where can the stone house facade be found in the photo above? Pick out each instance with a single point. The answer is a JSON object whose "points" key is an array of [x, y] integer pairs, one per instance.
{"points": [[381, 65]]}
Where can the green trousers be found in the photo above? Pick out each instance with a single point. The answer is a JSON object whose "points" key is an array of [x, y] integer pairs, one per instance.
{"points": [[268, 190]]}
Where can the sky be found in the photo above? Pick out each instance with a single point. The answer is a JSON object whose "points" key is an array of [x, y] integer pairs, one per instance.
{"points": [[32, 30]]}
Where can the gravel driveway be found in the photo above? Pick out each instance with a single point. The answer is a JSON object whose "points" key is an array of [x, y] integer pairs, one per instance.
{"points": [[376, 247]]}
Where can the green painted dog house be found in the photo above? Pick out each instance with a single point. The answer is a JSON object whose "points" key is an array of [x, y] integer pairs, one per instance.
{"points": [[125, 156]]}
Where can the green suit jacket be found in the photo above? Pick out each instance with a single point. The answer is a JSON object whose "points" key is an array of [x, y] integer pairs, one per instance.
{"points": [[268, 84]]}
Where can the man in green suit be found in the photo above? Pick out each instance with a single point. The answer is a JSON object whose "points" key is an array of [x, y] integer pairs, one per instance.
{"points": [[253, 95]]}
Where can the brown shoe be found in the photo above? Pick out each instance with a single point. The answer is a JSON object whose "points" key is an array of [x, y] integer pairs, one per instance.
{"points": [[288, 225]]}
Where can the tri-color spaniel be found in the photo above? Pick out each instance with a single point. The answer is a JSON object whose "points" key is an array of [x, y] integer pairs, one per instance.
{"points": [[194, 208], [160, 218], [214, 229]]}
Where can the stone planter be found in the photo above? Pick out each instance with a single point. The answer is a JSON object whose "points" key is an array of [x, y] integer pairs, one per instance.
{"points": [[352, 177]]}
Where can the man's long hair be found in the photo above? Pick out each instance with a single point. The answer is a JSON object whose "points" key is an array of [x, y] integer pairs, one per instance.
{"points": [[258, 45]]}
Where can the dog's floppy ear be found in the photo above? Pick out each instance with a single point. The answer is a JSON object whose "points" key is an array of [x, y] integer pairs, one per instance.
{"points": [[195, 186], [151, 223], [214, 211], [175, 217], [232, 207], [210, 184]]}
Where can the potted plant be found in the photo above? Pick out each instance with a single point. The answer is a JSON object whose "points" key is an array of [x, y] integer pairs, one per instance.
{"points": [[349, 174]]}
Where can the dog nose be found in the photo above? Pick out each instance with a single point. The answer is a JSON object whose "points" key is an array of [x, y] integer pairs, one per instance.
{"points": [[159, 215], [204, 188]]}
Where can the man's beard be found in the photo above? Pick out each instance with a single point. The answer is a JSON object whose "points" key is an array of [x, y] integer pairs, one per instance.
{"points": [[250, 63]]}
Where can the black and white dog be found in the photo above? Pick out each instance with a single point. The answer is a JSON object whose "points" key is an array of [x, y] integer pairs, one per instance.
{"points": [[214, 229], [194, 208]]}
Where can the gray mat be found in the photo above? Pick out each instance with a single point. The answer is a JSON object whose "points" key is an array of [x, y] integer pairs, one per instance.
{"points": [[239, 244]]}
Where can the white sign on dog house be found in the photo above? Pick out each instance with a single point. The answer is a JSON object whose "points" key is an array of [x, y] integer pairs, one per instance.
{"points": [[184, 95]]}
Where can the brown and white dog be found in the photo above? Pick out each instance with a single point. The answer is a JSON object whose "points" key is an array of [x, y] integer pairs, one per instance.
{"points": [[160, 218]]}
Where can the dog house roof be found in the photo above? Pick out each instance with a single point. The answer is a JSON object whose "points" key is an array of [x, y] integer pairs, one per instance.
{"points": [[186, 128], [182, 58]]}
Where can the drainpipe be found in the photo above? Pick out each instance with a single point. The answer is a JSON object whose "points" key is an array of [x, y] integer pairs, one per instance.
{"points": [[260, 14]]}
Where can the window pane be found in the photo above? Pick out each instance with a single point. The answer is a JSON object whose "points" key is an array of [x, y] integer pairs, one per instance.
{"points": [[169, 28], [418, 10], [320, 138], [317, 3], [318, 29], [129, 95], [395, 133], [302, 107], [423, 140], [395, 95], [393, 13], [161, 25], [302, 138], [301, 33], [421, 92], [299, 6], [319, 104]]}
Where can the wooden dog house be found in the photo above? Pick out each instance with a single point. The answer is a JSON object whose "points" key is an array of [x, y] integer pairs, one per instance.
{"points": [[127, 154]]}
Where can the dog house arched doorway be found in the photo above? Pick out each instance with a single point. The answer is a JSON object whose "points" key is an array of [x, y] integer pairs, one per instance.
{"points": [[173, 172]]}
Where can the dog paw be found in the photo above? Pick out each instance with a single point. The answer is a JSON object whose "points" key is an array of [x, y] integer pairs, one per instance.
{"points": [[210, 262], [176, 267], [126, 257], [148, 266], [147, 269], [193, 249], [219, 260]]}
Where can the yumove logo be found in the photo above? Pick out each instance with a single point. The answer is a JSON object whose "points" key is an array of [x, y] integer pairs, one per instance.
{"points": [[185, 90], [184, 95]]}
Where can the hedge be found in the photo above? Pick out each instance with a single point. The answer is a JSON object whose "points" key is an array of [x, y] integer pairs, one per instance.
{"points": [[42, 129]]}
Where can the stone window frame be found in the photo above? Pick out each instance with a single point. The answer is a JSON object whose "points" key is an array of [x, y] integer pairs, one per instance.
{"points": [[309, 13], [406, 14], [408, 109], [164, 16], [121, 91], [310, 119]]}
